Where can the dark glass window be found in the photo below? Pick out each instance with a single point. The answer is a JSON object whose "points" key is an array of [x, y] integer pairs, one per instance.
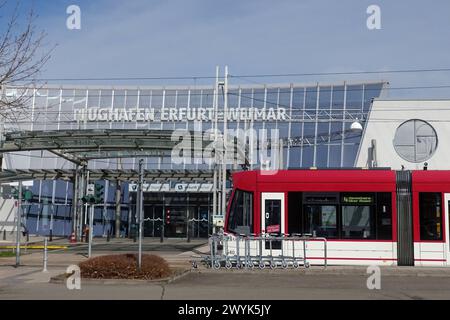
{"points": [[320, 220], [349, 215], [356, 222], [240, 218], [358, 215], [430, 213], [273, 216]]}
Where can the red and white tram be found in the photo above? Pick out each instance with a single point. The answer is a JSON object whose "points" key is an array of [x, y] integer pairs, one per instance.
{"points": [[368, 217]]}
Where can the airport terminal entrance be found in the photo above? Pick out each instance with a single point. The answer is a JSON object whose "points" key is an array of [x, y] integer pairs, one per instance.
{"points": [[178, 213]]}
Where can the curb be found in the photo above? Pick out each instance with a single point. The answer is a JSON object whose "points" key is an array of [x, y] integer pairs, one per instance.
{"points": [[60, 279], [336, 272]]}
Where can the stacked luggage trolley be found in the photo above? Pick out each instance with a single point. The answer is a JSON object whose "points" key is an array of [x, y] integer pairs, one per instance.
{"points": [[259, 251]]}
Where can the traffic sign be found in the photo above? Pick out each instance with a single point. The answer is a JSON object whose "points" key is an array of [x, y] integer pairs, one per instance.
{"points": [[90, 190]]}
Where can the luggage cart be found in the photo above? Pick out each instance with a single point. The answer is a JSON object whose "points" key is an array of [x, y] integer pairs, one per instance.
{"points": [[252, 253], [284, 259], [295, 261], [249, 262]]}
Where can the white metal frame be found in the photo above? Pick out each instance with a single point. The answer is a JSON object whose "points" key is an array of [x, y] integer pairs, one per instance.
{"points": [[272, 196], [446, 214]]}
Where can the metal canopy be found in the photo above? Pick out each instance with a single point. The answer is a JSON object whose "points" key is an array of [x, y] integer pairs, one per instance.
{"points": [[80, 146], [7, 176]]}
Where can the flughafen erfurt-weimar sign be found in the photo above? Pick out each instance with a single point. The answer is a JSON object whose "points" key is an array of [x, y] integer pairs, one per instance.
{"points": [[175, 114]]}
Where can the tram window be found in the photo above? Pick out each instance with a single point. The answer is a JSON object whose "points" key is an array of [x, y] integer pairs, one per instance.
{"points": [[430, 213], [347, 215], [320, 220], [356, 222], [240, 218]]}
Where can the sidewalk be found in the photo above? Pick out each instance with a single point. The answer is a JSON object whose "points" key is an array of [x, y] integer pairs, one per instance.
{"points": [[178, 252], [11, 239]]}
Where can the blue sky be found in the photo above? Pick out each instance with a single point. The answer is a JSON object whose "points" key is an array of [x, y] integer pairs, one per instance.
{"points": [[145, 38]]}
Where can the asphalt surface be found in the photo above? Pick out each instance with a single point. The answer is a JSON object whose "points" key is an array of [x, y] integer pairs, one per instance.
{"points": [[29, 282], [226, 285]]}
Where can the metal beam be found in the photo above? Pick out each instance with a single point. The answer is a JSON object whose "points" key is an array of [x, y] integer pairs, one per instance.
{"points": [[68, 157], [7, 176]]}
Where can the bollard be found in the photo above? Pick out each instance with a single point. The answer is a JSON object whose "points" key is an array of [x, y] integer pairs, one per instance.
{"points": [[28, 237], [51, 235], [107, 237], [4, 234], [161, 239], [45, 255]]}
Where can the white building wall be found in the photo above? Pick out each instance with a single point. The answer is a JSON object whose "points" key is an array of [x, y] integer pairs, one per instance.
{"points": [[384, 119]]}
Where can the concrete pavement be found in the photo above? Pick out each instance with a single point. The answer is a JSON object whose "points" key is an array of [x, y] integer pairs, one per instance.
{"points": [[29, 282]]}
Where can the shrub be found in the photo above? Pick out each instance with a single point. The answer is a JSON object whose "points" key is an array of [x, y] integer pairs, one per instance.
{"points": [[125, 266]]}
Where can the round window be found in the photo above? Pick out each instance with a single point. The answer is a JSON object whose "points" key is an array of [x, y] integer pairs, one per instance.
{"points": [[415, 140]]}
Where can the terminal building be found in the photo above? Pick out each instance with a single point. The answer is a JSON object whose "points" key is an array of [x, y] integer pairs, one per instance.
{"points": [[316, 129]]}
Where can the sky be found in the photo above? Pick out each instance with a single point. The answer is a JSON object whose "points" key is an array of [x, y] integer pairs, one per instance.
{"points": [[167, 38]]}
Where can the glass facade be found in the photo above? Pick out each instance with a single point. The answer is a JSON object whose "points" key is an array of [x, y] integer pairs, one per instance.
{"points": [[315, 125]]}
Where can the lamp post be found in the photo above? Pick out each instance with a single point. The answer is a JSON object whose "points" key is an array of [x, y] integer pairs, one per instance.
{"points": [[224, 160]]}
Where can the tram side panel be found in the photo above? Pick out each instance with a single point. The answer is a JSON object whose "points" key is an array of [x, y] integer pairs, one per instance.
{"points": [[430, 218], [426, 252]]}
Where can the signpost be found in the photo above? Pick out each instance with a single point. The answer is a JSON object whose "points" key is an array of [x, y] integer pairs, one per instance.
{"points": [[139, 208], [18, 226], [94, 195], [90, 190], [91, 231]]}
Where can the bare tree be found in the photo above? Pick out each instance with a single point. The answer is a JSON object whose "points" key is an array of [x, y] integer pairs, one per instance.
{"points": [[21, 59]]}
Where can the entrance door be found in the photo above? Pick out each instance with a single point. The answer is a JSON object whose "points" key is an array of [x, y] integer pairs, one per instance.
{"points": [[272, 219], [447, 227], [175, 222]]}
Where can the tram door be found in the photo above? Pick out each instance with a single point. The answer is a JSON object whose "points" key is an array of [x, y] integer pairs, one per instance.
{"points": [[447, 227], [272, 220]]}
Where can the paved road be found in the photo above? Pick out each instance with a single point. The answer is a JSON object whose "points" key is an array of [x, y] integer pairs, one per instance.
{"points": [[351, 284], [28, 282]]}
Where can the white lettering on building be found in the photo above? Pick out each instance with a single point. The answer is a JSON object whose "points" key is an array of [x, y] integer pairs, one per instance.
{"points": [[173, 114]]}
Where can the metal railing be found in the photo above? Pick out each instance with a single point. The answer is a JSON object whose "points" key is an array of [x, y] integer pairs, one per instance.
{"points": [[260, 251]]}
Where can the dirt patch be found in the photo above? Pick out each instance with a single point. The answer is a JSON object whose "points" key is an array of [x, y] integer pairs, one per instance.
{"points": [[125, 266]]}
